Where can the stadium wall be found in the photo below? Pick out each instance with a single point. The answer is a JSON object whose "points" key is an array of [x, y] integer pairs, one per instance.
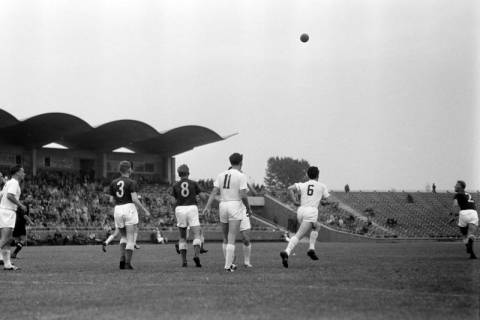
{"points": [[286, 217], [96, 236]]}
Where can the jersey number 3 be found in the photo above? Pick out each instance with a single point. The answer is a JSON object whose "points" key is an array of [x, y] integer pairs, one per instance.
{"points": [[120, 186]]}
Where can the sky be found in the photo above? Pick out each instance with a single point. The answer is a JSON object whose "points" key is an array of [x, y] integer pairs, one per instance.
{"points": [[384, 95]]}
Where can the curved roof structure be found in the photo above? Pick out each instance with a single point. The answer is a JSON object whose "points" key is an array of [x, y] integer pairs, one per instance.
{"points": [[75, 133], [6, 119]]}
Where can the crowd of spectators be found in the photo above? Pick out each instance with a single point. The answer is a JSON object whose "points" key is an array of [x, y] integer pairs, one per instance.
{"points": [[65, 200], [57, 199]]}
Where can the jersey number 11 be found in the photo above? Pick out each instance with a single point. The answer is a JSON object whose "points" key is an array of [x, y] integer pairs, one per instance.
{"points": [[226, 181]]}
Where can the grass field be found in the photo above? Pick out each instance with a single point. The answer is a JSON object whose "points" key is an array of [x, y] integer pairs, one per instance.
{"points": [[351, 281]]}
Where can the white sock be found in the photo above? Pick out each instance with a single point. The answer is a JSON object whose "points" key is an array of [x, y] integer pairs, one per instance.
{"points": [[291, 244], [109, 239], [313, 239], [135, 235], [230, 253], [224, 249], [247, 250], [6, 258]]}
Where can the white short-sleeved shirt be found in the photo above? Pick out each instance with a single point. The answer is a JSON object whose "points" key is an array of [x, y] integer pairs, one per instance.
{"points": [[230, 183], [311, 193], [12, 186]]}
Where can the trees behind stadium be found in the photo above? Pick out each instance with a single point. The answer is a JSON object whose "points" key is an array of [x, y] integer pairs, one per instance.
{"points": [[282, 172]]}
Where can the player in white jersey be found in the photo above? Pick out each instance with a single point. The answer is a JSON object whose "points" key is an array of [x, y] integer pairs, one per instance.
{"points": [[8, 205], [245, 227], [233, 208], [312, 193]]}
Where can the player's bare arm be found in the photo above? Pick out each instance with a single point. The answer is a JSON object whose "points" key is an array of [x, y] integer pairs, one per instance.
{"points": [[210, 200], [244, 195], [455, 207], [171, 197], [291, 192], [139, 204], [12, 198]]}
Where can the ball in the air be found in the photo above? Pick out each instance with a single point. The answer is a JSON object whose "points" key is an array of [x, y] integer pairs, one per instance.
{"points": [[304, 37]]}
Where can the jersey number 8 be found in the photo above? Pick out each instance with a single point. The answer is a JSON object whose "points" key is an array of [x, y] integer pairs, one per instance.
{"points": [[184, 189]]}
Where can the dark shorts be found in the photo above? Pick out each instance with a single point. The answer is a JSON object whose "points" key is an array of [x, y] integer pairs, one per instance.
{"points": [[20, 229]]}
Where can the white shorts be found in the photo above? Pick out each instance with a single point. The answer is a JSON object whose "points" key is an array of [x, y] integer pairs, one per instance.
{"points": [[187, 216], [245, 224], [467, 216], [7, 218], [232, 210], [125, 215], [307, 214]]}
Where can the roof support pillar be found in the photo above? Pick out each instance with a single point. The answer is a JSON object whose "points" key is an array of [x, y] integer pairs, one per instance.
{"points": [[34, 162], [172, 173], [104, 165], [170, 169]]}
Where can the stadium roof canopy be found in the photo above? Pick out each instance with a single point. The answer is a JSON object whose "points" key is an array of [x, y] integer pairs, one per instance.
{"points": [[74, 133]]}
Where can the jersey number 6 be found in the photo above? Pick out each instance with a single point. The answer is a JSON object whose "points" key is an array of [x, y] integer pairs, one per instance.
{"points": [[310, 190]]}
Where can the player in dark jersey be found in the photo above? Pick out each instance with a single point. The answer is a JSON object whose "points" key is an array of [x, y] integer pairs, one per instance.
{"points": [[20, 230], [185, 193], [467, 217], [123, 192]]}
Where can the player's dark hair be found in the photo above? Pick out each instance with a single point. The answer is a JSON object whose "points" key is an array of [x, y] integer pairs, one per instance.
{"points": [[313, 172], [236, 159], [124, 166], [15, 169], [183, 171], [462, 183]]}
